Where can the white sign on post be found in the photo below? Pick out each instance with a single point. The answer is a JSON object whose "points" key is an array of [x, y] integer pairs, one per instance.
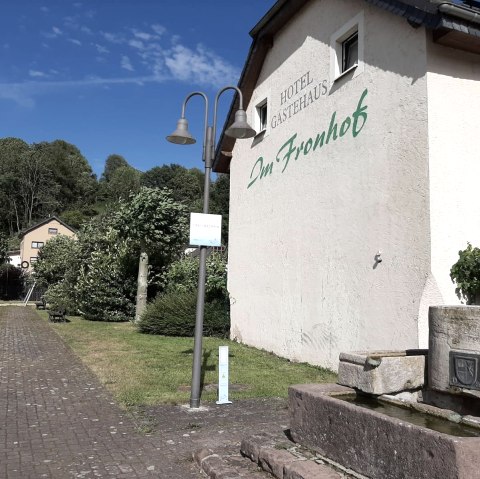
{"points": [[223, 375], [205, 230]]}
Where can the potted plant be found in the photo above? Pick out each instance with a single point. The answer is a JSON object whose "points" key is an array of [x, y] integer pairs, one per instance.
{"points": [[466, 274]]}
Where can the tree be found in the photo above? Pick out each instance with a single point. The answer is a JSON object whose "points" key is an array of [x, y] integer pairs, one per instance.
{"points": [[4, 258], [156, 223], [70, 170], [55, 260], [105, 286], [12, 150], [112, 163], [123, 182], [56, 269], [186, 185], [40, 180], [220, 202]]}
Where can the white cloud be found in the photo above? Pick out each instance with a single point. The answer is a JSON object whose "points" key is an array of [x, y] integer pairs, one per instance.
{"points": [[54, 33], [44, 9], [126, 63], [17, 94], [37, 74], [200, 66], [159, 29], [113, 37], [144, 36], [86, 30], [74, 41], [137, 44], [101, 48]]}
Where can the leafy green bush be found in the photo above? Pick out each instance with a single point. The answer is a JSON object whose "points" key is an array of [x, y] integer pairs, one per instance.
{"points": [[466, 274], [173, 314], [104, 289], [182, 275], [59, 296]]}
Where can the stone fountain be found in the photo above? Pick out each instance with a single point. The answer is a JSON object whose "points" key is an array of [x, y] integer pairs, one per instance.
{"points": [[401, 414]]}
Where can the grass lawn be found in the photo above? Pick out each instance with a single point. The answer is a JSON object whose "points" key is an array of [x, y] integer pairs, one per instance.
{"points": [[148, 369]]}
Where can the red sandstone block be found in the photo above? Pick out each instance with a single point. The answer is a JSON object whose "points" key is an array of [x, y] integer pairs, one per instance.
{"points": [[309, 470], [274, 460]]}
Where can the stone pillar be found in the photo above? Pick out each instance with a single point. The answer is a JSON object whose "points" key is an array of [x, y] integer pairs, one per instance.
{"points": [[454, 348]]}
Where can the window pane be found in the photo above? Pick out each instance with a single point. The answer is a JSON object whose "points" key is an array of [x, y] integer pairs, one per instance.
{"points": [[350, 52], [263, 117]]}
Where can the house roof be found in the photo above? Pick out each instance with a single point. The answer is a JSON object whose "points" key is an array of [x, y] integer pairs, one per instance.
{"points": [[454, 23], [44, 222]]}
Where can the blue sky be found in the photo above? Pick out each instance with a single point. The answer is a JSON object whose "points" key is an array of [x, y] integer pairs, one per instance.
{"points": [[110, 76]]}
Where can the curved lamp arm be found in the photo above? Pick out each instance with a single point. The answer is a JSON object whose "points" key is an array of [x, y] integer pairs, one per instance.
{"points": [[230, 87], [205, 125]]}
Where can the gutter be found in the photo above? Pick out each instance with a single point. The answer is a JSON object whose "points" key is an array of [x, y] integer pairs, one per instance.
{"points": [[458, 11]]}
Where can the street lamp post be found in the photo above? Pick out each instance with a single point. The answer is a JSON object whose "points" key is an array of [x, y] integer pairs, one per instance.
{"points": [[181, 136]]}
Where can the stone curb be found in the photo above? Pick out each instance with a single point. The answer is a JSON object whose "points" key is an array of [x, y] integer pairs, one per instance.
{"points": [[269, 455], [213, 465], [281, 463]]}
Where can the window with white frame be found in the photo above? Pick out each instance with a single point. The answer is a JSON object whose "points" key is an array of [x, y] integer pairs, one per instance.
{"points": [[350, 52], [33, 259], [52, 231], [37, 244], [346, 48], [262, 116]]}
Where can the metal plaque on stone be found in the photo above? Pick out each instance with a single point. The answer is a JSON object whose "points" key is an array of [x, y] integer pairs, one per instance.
{"points": [[464, 370]]}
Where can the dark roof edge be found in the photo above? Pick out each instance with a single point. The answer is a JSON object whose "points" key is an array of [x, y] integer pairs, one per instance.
{"points": [[429, 13], [262, 34], [45, 221]]}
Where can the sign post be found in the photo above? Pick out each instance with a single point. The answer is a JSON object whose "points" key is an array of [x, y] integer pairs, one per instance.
{"points": [[205, 229], [223, 375]]}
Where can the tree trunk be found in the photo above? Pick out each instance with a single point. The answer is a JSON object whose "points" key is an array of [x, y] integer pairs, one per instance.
{"points": [[142, 284]]}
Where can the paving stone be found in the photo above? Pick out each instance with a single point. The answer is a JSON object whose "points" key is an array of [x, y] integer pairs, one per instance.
{"points": [[250, 446], [274, 460], [309, 470], [58, 421]]}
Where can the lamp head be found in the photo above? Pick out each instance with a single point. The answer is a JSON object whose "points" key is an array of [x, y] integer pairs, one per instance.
{"points": [[240, 128], [181, 136]]}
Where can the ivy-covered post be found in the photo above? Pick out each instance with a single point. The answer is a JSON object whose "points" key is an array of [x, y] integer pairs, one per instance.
{"points": [[142, 284]]}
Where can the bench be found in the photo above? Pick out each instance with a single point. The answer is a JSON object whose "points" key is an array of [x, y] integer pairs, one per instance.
{"points": [[42, 304], [57, 316]]}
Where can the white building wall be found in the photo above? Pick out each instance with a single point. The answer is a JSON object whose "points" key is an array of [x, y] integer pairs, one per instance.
{"points": [[302, 273], [454, 145]]}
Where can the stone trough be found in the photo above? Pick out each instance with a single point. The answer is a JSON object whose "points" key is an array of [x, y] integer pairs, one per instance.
{"points": [[388, 419], [374, 444]]}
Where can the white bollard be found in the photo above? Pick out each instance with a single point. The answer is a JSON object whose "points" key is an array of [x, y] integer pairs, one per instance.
{"points": [[223, 375]]}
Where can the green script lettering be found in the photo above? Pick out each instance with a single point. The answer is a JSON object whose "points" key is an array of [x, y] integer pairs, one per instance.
{"points": [[287, 155], [262, 172], [361, 111], [355, 123]]}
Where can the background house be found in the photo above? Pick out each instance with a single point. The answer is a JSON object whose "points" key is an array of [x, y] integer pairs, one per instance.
{"points": [[348, 208], [37, 235]]}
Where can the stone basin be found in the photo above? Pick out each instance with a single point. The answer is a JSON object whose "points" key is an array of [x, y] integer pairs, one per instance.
{"points": [[374, 444]]}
